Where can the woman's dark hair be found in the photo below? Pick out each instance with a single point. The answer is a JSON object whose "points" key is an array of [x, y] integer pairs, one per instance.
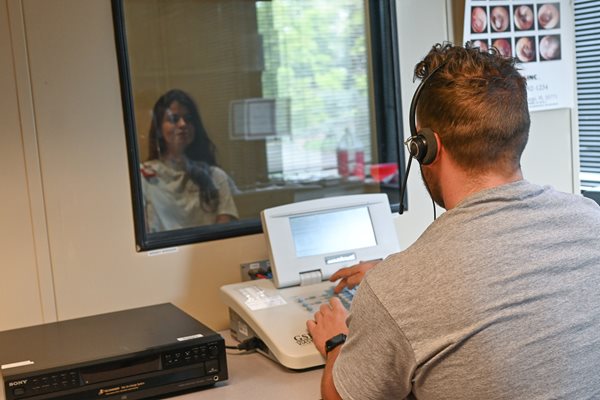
{"points": [[477, 102], [201, 149], [201, 153]]}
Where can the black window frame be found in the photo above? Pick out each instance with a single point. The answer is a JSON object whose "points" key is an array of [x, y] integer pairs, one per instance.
{"points": [[387, 114]]}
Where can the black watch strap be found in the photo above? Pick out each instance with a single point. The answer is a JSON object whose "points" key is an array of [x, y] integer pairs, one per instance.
{"points": [[334, 342]]}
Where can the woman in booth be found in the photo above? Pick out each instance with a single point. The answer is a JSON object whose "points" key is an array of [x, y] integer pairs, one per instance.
{"points": [[181, 183]]}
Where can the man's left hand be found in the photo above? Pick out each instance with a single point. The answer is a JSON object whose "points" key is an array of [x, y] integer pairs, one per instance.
{"points": [[329, 321]]}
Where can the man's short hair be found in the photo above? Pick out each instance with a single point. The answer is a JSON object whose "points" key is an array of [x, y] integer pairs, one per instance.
{"points": [[477, 103]]}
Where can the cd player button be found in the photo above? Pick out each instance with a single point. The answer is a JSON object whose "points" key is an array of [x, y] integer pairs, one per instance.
{"points": [[202, 369], [19, 391]]}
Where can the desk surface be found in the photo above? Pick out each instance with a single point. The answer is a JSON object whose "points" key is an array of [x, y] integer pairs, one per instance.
{"points": [[254, 376]]}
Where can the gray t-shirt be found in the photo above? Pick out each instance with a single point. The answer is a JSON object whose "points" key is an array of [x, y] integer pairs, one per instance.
{"points": [[498, 299]]}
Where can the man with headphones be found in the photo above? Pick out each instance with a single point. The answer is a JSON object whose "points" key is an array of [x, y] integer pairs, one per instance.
{"points": [[500, 297]]}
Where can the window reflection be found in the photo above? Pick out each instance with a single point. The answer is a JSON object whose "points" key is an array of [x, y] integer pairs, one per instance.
{"points": [[315, 54], [286, 92], [182, 185]]}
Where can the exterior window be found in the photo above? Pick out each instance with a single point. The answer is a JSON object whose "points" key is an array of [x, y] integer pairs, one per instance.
{"points": [[587, 56], [316, 56], [234, 106]]}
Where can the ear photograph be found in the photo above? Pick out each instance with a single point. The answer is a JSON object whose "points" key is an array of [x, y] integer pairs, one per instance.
{"points": [[525, 49], [549, 16], [499, 18], [478, 20], [550, 48], [503, 46], [523, 17]]}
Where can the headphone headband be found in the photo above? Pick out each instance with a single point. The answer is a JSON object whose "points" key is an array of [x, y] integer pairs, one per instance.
{"points": [[422, 145], [413, 104]]}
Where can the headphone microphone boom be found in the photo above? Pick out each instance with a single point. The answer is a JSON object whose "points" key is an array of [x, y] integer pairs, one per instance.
{"points": [[421, 144]]}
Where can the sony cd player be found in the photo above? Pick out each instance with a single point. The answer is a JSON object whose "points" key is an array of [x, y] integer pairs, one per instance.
{"points": [[146, 352]]}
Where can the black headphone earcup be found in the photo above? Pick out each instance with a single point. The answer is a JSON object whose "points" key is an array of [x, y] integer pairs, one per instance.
{"points": [[429, 151]]}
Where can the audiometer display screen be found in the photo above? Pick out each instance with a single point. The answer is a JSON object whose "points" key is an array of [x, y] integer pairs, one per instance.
{"points": [[332, 231]]}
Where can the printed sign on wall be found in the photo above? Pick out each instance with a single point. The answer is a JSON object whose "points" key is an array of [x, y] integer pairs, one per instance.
{"points": [[539, 34]]}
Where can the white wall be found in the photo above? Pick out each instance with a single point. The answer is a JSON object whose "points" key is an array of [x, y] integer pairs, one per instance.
{"points": [[67, 237], [20, 297], [551, 156], [421, 24]]}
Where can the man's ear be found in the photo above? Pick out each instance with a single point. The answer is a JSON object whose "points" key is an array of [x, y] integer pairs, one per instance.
{"points": [[438, 147]]}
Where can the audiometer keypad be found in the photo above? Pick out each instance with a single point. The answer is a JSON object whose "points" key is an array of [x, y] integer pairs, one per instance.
{"points": [[312, 302]]}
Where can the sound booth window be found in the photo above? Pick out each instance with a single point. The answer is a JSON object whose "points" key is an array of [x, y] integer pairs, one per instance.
{"points": [[235, 106]]}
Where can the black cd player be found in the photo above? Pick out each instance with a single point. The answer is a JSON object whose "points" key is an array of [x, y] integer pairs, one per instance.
{"points": [[146, 352]]}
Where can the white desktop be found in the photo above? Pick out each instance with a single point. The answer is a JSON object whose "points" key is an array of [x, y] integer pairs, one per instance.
{"points": [[308, 241]]}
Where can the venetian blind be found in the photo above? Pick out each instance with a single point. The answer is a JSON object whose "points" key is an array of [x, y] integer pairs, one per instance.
{"points": [[316, 58], [587, 58]]}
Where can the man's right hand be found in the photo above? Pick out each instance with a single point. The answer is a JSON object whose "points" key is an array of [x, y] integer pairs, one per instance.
{"points": [[351, 276]]}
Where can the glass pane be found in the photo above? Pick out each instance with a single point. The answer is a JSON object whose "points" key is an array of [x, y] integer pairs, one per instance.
{"points": [[316, 58], [237, 106]]}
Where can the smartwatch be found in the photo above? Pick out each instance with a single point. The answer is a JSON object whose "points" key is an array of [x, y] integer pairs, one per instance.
{"points": [[334, 342]]}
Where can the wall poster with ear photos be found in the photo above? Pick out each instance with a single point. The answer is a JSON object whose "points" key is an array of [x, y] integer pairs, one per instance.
{"points": [[539, 34]]}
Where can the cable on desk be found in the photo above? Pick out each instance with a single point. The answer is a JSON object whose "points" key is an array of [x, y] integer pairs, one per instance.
{"points": [[252, 343]]}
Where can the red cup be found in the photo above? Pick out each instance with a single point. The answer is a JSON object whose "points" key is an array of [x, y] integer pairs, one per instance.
{"points": [[380, 172]]}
